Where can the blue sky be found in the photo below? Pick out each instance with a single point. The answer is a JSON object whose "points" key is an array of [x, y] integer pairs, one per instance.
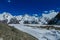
{"points": [[17, 7]]}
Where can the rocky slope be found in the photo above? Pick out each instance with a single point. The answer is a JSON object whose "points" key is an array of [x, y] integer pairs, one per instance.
{"points": [[11, 33]]}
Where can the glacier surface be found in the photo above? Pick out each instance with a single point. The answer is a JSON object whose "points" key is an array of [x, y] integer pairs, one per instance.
{"points": [[40, 34]]}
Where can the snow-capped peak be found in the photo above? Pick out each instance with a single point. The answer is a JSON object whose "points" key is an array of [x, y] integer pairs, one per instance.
{"points": [[50, 15], [5, 15], [46, 17]]}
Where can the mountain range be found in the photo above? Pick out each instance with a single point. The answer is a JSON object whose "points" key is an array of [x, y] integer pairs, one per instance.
{"points": [[46, 18]]}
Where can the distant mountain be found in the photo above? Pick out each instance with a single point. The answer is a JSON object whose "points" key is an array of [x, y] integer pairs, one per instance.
{"points": [[46, 17], [5, 16], [27, 19]]}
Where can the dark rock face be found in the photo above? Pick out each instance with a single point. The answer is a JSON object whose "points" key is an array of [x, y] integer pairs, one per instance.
{"points": [[26, 22], [34, 22], [4, 21], [55, 20], [30, 22], [13, 21]]}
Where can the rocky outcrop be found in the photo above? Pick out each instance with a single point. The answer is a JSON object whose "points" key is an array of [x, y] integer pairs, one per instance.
{"points": [[55, 20], [14, 21]]}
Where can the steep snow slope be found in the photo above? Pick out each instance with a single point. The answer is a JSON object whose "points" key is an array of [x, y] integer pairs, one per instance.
{"points": [[50, 15], [46, 17], [40, 34]]}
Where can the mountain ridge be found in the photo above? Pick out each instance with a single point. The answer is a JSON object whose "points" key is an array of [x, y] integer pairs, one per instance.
{"points": [[27, 19]]}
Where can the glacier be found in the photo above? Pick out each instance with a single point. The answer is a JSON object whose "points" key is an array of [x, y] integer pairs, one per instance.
{"points": [[40, 34]]}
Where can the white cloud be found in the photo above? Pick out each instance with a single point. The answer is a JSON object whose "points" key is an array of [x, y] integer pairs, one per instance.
{"points": [[9, 1]]}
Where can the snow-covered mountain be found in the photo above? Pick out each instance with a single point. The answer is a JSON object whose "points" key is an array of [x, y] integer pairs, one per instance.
{"points": [[47, 17], [5, 16], [27, 19]]}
